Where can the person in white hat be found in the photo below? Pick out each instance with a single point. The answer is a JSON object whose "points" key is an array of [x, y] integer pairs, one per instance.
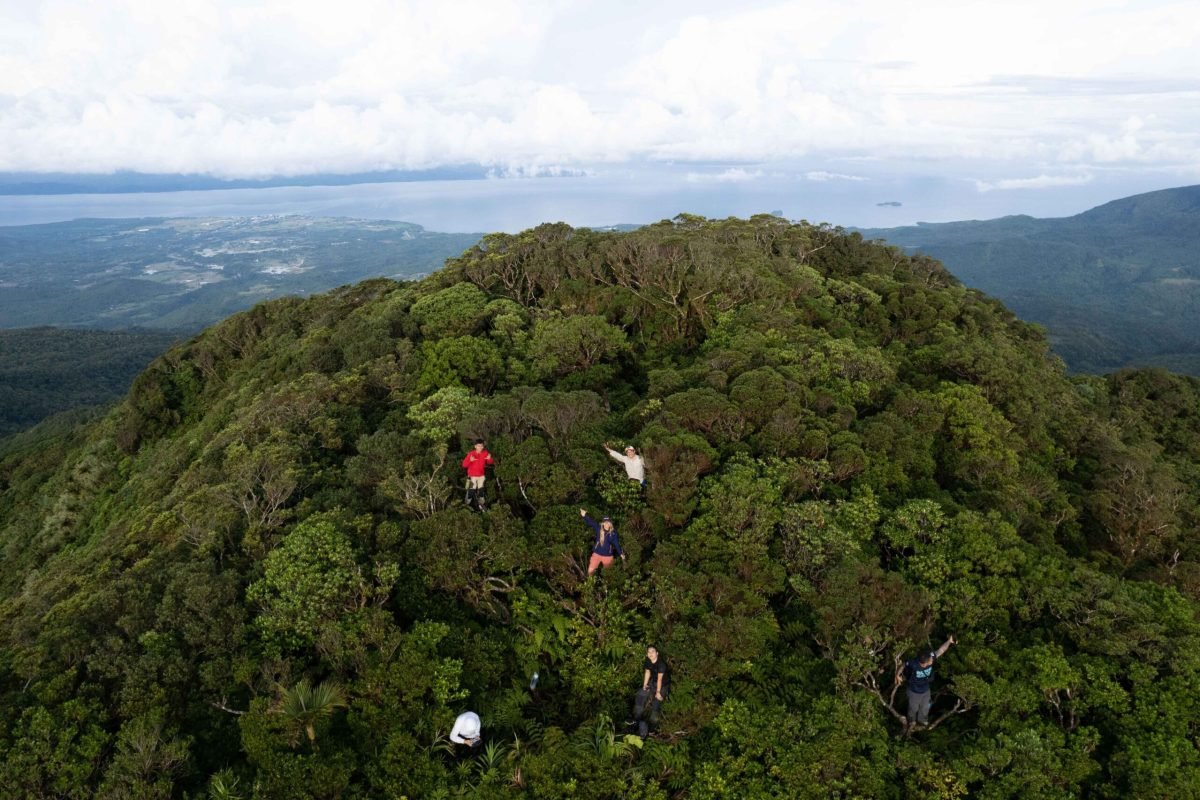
{"points": [[635, 467], [466, 729]]}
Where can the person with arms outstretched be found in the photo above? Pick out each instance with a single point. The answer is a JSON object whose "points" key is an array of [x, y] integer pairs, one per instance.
{"points": [[635, 467], [476, 463], [656, 683], [918, 674], [607, 544]]}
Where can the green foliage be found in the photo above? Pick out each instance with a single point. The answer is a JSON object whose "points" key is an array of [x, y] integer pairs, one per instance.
{"points": [[46, 371], [561, 345], [438, 416], [308, 582], [304, 705], [457, 310], [256, 576]]}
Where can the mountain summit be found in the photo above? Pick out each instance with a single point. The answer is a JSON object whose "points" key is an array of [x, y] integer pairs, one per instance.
{"points": [[257, 576]]}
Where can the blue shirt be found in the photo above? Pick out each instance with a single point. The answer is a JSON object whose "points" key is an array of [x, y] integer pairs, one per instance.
{"points": [[919, 677], [610, 546]]}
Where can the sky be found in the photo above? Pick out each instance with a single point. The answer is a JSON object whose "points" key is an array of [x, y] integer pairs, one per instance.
{"points": [[1001, 97]]}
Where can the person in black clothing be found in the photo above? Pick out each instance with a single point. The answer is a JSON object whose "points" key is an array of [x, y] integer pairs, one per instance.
{"points": [[656, 682]]}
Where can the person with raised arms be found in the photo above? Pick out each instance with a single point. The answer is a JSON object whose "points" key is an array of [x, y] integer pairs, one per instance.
{"points": [[918, 674], [607, 544], [635, 466]]}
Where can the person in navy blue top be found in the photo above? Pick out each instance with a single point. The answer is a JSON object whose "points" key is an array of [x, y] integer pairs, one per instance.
{"points": [[918, 674], [606, 545]]}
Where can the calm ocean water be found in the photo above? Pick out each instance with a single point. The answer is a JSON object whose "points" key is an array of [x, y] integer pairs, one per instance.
{"points": [[618, 197]]}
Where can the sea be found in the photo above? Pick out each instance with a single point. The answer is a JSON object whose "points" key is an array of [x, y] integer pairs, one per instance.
{"points": [[605, 197]]}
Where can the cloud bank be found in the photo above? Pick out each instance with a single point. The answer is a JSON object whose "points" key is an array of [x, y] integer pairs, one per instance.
{"points": [[263, 88], [1039, 182]]}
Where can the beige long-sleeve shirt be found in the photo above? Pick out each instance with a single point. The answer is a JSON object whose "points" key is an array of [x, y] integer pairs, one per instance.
{"points": [[635, 467]]}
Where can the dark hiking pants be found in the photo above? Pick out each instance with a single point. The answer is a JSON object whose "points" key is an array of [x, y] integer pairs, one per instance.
{"points": [[647, 711]]}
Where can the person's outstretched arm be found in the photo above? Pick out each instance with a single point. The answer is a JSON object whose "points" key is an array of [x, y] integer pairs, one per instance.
{"points": [[616, 542], [613, 454], [591, 523], [945, 646]]}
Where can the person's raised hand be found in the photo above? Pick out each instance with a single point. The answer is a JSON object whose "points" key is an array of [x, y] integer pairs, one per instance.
{"points": [[583, 512]]}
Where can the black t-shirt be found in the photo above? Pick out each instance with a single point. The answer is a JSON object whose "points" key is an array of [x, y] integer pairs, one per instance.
{"points": [[919, 677], [655, 668]]}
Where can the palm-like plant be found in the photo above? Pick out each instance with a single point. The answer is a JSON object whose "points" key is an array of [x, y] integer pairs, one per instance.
{"points": [[304, 705], [225, 786], [605, 743]]}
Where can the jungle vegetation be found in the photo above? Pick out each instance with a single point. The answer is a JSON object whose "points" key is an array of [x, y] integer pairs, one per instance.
{"points": [[255, 577], [46, 371]]}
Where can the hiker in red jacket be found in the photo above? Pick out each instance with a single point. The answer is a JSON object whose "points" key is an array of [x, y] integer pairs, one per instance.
{"points": [[476, 463]]}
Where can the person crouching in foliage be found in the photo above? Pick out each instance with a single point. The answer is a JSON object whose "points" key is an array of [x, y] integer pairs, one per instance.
{"points": [[476, 463], [466, 729], [918, 673], [635, 467], [606, 545], [655, 684]]}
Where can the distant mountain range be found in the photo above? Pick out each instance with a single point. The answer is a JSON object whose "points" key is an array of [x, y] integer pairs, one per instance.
{"points": [[1115, 286], [185, 274], [29, 183]]}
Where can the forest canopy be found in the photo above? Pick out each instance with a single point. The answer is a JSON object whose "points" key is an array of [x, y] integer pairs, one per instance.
{"points": [[256, 577]]}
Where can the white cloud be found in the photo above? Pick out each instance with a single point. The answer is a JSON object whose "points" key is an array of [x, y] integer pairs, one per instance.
{"points": [[730, 175], [243, 88], [1039, 182], [821, 176]]}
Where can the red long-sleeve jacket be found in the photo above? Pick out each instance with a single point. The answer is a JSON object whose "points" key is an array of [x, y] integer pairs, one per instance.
{"points": [[476, 462]]}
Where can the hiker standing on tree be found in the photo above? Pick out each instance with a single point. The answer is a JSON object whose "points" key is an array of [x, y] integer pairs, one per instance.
{"points": [[656, 682], [635, 467], [476, 463], [918, 673], [606, 545]]}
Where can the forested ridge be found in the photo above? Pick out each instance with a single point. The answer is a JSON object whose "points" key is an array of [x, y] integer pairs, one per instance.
{"points": [[256, 576], [1115, 286]]}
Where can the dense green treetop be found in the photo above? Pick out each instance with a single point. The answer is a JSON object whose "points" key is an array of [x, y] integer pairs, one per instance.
{"points": [[256, 578]]}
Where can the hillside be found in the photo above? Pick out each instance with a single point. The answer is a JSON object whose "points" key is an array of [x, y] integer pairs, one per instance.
{"points": [[256, 578], [1115, 286], [45, 371], [184, 274]]}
